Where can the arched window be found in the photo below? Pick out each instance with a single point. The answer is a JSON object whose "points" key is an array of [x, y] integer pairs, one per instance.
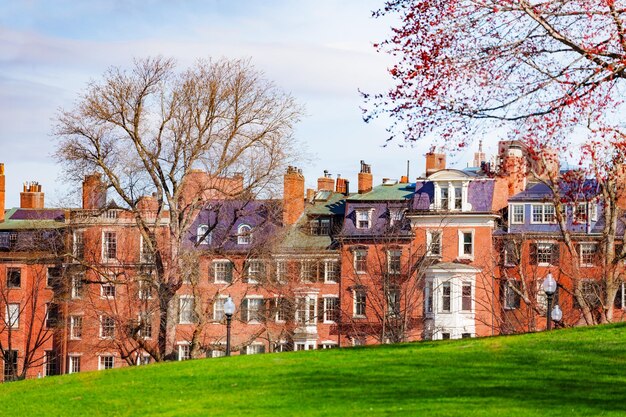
{"points": [[200, 235], [244, 234]]}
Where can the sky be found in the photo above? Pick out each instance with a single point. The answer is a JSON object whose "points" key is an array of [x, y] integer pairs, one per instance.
{"points": [[320, 51]]}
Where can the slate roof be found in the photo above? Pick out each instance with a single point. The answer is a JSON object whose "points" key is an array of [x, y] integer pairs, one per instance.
{"points": [[28, 219], [480, 195], [573, 191]]}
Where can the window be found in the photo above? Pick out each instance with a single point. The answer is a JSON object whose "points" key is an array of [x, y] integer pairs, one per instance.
{"points": [[217, 353], [331, 309], [144, 289], [433, 242], [202, 238], [446, 297], [77, 286], [543, 213], [223, 272], [76, 327], [244, 235], [510, 295], [52, 315], [106, 362], [253, 349], [320, 226], [511, 253], [50, 363], [458, 198], [107, 327], [282, 309], [145, 325], [466, 335], [281, 272], [620, 296], [394, 261], [255, 271], [542, 299], [329, 345], [305, 310], [588, 253], [428, 298], [580, 213], [444, 196], [78, 244], [466, 241], [590, 290], [14, 277], [282, 346], [184, 352], [395, 216], [218, 308], [252, 310], [12, 316], [186, 309], [517, 213], [393, 302], [360, 302], [360, 261], [74, 365], [107, 290], [109, 246], [363, 218], [445, 336], [53, 279], [544, 254], [10, 365], [146, 255], [331, 271], [466, 297], [309, 271], [358, 341]]}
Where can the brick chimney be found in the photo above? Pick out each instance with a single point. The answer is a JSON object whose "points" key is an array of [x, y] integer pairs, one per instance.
{"points": [[32, 197], [94, 192], [325, 183], [2, 192], [293, 196], [342, 185], [512, 174], [365, 178], [435, 162]]}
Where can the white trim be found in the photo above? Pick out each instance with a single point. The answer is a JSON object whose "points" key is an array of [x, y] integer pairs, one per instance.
{"points": [[461, 235]]}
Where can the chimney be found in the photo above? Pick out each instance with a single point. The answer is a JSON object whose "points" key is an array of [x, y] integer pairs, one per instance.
{"points": [[404, 179], [293, 196], [365, 178], [435, 162], [94, 192], [343, 185], [32, 197], [546, 164], [2, 192], [325, 183], [310, 195], [479, 157]]}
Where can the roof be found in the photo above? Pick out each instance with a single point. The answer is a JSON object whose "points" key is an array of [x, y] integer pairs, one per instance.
{"points": [[571, 190], [386, 192], [334, 204], [28, 219], [480, 195]]}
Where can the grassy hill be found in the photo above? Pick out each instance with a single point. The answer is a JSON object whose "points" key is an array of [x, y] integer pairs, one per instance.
{"points": [[574, 372]]}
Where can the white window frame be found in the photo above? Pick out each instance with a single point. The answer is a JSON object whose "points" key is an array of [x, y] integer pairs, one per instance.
{"points": [[74, 363], [253, 273], [327, 310], [77, 285], [143, 252], [228, 271], [186, 309], [244, 234], [281, 271], [105, 245], [363, 215], [102, 335], [514, 215], [465, 284], [200, 231], [103, 293], [304, 345], [101, 364], [583, 249], [252, 348], [12, 315], [429, 308], [444, 285], [305, 316], [184, 351], [429, 242], [543, 213], [509, 291], [218, 308], [395, 216], [329, 344], [76, 327], [553, 246], [279, 314], [78, 242], [355, 255], [390, 253], [355, 306], [258, 312], [461, 235], [331, 271]]}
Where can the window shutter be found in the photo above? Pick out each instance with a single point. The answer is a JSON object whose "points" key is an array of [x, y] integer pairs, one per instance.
{"points": [[555, 254], [244, 310], [244, 275], [211, 272], [618, 297], [533, 253], [229, 273], [320, 309], [266, 310], [262, 350]]}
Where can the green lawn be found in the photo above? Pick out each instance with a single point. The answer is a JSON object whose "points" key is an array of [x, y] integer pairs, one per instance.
{"points": [[574, 372]]}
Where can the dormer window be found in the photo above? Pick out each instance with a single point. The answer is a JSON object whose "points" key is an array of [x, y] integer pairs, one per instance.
{"points": [[202, 238], [444, 198], [451, 194], [320, 226], [363, 219], [244, 235], [395, 216]]}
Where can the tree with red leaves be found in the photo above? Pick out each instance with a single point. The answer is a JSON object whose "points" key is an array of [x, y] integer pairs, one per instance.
{"points": [[548, 72]]}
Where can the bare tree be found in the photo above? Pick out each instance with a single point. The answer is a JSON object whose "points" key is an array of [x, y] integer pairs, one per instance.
{"points": [[146, 130]]}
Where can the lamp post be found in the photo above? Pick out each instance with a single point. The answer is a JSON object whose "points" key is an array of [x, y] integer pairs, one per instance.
{"points": [[549, 287], [229, 310], [557, 314]]}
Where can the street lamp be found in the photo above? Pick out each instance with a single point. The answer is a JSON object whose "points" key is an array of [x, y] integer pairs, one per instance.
{"points": [[549, 287], [229, 310], [557, 314]]}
